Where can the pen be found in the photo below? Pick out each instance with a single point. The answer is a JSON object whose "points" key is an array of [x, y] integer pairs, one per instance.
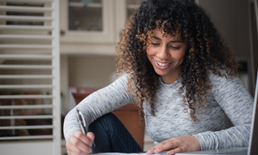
{"points": [[81, 121]]}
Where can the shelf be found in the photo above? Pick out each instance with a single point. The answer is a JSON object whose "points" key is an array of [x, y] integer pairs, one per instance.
{"points": [[133, 6], [80, 4]]}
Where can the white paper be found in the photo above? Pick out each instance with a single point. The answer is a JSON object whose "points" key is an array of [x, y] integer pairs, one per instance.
{"points": [[117, 153]]}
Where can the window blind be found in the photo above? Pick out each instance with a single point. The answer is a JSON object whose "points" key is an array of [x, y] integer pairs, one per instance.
{"points": [[29, 77]]}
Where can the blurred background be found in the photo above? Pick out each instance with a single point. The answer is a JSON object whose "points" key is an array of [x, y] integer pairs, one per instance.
{"points": [[49, 48]]}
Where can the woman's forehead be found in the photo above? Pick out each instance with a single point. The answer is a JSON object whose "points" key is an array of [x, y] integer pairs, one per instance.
{"points": [[159, 31], [165, 25]]}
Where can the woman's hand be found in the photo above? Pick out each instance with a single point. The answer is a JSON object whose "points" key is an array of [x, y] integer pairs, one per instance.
{"points": [[177, 145], [80, 144]]}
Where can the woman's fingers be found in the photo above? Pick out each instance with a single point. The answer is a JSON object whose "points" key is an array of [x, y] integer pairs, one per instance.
{"points": [[84, 138], [163, 146], [177, 145], [91, 136], [174, 151], [151, 151], [80, 144]]}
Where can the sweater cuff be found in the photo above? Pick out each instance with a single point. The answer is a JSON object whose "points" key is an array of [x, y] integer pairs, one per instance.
{"points": [[207, 141]]}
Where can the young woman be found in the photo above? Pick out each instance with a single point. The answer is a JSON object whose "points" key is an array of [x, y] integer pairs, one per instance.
{"points": [[182, 75]]}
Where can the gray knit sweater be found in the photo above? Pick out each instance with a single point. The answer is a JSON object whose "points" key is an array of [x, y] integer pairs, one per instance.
{"points": [[226, 98]]}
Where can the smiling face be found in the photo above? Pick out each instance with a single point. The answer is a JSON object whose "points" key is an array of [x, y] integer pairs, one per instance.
{"points": [[166, 55]]}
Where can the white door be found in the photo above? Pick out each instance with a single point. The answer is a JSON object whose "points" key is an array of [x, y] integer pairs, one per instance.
{"points": [[29, 77]]}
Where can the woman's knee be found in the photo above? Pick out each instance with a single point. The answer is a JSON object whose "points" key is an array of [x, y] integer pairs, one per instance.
{"points": [[106, 122]]}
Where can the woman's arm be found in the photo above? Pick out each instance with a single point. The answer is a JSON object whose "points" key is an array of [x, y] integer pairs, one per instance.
{"points": [[99, 103], [237, 103]]}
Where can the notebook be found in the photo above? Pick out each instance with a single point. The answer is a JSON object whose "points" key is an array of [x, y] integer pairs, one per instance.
{"points": [[252, 149]]}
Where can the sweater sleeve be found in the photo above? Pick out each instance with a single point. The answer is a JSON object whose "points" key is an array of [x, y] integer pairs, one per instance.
{"points": [[237, 103], [99, 103]]}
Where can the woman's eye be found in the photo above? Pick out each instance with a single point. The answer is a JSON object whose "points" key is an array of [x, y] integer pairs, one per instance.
{"points": [[155, 44], [173, 47]]}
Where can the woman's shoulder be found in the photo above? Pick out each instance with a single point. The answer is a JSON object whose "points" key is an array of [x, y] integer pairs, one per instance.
{"points": [[120, 80], [219, 75], [122, 77], [223, 79]]}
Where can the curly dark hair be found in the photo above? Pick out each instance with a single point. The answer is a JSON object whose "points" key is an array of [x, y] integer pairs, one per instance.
{"points": [[207, 51]]}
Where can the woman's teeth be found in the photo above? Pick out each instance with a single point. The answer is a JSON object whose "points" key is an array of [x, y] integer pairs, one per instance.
{"points": [[162, 64]]}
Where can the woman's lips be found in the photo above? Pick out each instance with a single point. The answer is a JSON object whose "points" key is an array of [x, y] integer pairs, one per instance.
{"points": [[161, 65]]}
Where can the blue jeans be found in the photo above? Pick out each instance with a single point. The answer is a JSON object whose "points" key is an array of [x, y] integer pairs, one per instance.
{"points": [[112, 136]]}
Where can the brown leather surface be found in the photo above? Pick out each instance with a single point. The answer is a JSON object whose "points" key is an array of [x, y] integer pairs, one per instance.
{"points": [[128, 115]]}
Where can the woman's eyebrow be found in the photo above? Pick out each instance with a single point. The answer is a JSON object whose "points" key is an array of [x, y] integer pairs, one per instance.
{"points": [[172, 41], [155, 37]]}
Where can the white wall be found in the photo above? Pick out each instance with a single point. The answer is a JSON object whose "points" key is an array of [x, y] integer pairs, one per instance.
{"points": [[84, 71], [90, 71]]}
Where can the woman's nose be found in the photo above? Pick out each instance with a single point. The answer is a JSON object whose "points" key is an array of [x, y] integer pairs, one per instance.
{"points": [[163, 52]]}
